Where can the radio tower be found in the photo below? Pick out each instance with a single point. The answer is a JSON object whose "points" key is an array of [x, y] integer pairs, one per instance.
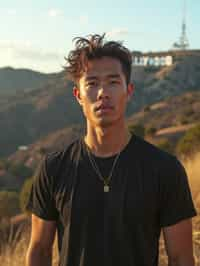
{"points": [[183, 43]]}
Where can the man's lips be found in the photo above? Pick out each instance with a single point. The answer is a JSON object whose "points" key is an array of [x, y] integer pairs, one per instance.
{"points": [[104, 107]]}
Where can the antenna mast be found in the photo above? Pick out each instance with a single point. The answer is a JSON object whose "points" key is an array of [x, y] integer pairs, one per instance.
{"points": [[183, 43]]}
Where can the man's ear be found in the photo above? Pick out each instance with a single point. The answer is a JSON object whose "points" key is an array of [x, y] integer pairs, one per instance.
{"points": [[130, 90], [77, 95]]}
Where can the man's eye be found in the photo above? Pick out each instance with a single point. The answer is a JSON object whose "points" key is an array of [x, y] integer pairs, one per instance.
{"points": [[114, 82], [92, 83]]}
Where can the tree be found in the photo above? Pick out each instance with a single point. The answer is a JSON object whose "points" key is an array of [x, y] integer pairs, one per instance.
{"points": [[150, 131]]}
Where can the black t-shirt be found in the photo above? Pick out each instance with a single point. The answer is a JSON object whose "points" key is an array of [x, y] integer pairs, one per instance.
{"points": [[148, 190]]}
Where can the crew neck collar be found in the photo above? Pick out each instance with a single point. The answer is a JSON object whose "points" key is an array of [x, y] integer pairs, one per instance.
{"points": [[85, 147]]}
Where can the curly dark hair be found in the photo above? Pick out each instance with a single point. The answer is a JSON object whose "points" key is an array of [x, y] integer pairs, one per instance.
{"points": [[94, 47]]}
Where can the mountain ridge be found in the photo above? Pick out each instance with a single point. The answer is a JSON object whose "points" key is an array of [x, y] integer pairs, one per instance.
{"points": [[13, 80]]}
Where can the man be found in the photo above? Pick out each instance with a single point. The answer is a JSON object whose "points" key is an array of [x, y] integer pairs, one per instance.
{"points": [[109, 194]]}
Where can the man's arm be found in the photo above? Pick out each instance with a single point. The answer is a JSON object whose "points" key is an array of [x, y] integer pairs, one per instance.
{"points": [[42, 237], [178, 243]]}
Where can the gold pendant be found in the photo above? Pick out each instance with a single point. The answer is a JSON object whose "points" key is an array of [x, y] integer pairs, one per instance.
{"points": [[106, 188]]}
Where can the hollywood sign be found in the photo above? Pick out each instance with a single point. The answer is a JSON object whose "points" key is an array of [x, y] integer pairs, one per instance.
{"points": [[153, 60]]}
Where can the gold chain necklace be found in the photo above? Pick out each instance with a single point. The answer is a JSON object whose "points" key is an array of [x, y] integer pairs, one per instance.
{"points": [[96, 169]]}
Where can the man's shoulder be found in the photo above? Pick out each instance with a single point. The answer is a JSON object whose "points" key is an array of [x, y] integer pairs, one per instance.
{"points": [[67, 153], [166, 165], [151, 152]]}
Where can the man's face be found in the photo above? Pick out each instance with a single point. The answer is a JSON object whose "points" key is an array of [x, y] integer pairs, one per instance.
{"points": [[103, 92]]}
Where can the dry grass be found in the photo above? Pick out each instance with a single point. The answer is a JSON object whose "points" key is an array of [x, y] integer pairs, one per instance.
{"points": [[13, 254], [193, 170]]}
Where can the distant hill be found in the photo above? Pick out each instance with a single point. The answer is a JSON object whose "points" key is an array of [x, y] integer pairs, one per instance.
{"points": [[29, 116], [14, 80]]}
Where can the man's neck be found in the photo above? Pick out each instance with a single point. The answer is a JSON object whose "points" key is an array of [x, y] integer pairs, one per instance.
{"points": [[105, 142]]}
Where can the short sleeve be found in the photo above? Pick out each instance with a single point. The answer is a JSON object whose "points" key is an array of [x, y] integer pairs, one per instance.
{"points": [[176, 202], [41, 201]]}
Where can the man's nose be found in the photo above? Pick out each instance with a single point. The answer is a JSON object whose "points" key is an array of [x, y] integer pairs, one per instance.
{"points": [[103, 92]]}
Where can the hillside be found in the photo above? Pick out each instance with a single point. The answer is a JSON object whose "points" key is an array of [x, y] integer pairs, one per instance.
{"points": [[29, 116], [15, 80], [23, 163], [154, 84], [172, 112], [53, 142], [171, 118]]}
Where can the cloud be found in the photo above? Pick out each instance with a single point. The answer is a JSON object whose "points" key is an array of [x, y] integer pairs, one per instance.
{"points": [[22, 54], [53, 12], [25, 50], [8, 44], [37, 55], [118, 32]]}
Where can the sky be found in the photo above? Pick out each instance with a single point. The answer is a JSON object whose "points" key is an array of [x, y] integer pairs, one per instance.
{"points": [[38, 34]]}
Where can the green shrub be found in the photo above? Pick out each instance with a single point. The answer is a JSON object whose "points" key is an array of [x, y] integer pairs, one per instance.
{"points": [[150, 131], [165, 145], [137, 129], [184, 120], [43, 151], [151, 82], [147, 108], [188, 111], [4, 164], [151, 68], [167, 78], [190, 142], [24, 194], [9, 204], [20, 170]]}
